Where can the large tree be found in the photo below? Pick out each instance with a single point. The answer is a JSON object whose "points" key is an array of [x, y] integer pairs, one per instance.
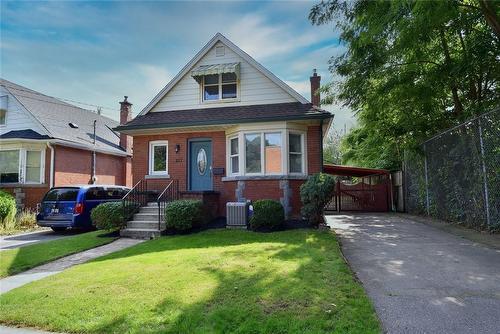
{"points": [[411, 69]]}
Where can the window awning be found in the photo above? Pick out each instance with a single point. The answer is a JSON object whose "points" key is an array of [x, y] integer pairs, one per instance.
{"points": [[203, 70]]}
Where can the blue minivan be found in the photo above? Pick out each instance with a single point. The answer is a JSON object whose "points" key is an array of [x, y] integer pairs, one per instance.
{"points": [[69, 207]]}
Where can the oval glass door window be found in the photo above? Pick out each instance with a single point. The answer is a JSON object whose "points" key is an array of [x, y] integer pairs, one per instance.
{"points": [[201, 160]]}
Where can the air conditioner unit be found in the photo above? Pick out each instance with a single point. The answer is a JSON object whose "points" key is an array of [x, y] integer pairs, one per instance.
{"points": [[236, 215]]}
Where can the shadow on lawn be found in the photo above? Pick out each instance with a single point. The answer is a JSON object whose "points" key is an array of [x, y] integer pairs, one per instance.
{"points": [[305, 287]]}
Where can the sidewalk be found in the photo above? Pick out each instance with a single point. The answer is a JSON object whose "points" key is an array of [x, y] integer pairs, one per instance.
{"points": [[61, 264]]}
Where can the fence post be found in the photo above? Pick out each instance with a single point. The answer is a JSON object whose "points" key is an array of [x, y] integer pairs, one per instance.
{"points": [[426, 184], [485, 177]]}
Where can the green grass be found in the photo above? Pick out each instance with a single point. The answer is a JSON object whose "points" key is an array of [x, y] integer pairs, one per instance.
{"points": [[13, 261], [218, 281]]}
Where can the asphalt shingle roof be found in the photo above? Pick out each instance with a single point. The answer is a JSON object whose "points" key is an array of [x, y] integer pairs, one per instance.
{"points": [[55, 115], [24, 134], [226, 115]]}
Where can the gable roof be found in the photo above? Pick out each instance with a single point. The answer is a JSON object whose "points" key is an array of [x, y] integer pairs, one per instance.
{"points": [[221, 38], [54, 115], [226, 115]]}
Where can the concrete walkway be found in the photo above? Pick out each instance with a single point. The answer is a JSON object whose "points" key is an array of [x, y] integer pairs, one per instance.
{"points": [[420, 278], [61, 264]]}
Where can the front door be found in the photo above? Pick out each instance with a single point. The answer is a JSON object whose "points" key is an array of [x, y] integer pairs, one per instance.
{"points": [[200, 165]]}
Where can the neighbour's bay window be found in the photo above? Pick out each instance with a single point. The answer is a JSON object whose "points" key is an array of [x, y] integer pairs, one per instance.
{"points": [[263, 153], [158, 157], [22, 166]]}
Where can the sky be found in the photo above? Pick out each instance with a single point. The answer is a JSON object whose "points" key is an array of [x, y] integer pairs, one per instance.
{"points": [[97, 52]]}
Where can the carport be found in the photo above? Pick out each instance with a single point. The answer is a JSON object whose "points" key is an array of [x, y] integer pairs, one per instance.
{"points": [[360, 189]]}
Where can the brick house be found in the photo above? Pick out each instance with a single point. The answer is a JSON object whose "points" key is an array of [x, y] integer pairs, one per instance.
{"points": [[227, 128], [45, 142]]}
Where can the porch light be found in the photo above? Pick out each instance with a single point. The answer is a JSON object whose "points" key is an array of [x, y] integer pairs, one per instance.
{"points": [[177, 148]]}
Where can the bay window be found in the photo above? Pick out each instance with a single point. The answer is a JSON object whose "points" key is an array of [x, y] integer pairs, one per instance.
{"points": [[272, 152], [22, 166], [234, 155], [275, 152], [252, 153], [295, 161], [9, 166], [158, 157]]}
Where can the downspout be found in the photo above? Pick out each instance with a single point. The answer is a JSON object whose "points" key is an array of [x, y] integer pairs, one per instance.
{"points": [[321, 144], [52, 160]]}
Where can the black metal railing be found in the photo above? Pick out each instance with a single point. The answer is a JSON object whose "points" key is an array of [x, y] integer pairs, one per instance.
{"points": [[169, 194], [137, 196]]}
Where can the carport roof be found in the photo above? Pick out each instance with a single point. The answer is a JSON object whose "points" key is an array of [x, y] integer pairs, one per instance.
{"points": [[352, 171]]}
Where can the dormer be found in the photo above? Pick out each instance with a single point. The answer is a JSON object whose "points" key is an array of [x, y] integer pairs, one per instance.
{"points": [[218, 82]]}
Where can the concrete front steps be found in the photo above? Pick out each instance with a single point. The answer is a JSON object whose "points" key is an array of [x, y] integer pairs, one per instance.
{"points": [[144, 224]]}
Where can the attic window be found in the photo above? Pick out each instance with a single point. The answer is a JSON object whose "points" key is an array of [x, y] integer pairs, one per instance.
{"points": [[3, 109], [219, 87], [220, 51]]}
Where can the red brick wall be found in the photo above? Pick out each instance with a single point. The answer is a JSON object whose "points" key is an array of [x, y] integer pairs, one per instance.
{"points": [[314, 147], [255, 189], [74, 166]]}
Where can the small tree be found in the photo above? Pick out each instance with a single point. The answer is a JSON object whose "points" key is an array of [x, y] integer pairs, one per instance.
{"points": [[315, 193]]}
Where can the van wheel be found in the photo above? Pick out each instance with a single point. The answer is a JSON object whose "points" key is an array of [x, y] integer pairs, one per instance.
{"points": [[58, 229]]}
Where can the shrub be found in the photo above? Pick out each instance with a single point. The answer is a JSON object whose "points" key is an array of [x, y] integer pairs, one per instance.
{"points": [[267, 214], [183, 215], [26, 219], [7, 210], [108, 216], [315, 193]]}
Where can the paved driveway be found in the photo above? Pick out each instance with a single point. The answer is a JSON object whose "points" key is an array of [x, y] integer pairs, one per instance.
{"points": [[422, 279], [15, 241]]}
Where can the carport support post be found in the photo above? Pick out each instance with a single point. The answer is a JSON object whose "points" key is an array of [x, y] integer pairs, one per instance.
{"points": [[426, 183]]}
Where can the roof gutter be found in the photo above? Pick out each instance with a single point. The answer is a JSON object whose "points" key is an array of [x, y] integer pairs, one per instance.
{"points": [[126, 128]]}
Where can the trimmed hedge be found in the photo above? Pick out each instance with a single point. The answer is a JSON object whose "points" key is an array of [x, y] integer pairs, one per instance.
{"points": [[108, 216], [315, 193], [267, 214], [8, 209], [183, 215]]}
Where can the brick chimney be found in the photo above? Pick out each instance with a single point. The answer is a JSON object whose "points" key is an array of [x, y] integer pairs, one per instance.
{"points": [[315, 84], [125, 116]]}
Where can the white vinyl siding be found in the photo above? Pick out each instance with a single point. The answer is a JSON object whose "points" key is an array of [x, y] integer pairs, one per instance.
{"points": [[17, 118], [253, 88]]}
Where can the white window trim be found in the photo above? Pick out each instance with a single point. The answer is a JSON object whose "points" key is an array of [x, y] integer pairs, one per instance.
{"points": [[230, 156], [22, 165], [284, 152], [303, 146], [152, 144], [219, 84]]}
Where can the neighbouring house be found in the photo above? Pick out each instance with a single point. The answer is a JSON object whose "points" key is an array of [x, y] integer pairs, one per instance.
{"points": [[227, 129], [45, 142]]}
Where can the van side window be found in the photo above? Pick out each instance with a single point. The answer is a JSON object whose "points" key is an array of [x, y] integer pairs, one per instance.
{"points": [[96, 193]]}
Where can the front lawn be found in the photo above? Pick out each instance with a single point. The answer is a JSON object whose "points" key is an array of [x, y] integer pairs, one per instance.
{"points": [[13, 261], [218, 281]]}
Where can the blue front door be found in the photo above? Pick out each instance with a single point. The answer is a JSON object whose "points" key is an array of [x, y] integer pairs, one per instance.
{"points": [[200, 165]]}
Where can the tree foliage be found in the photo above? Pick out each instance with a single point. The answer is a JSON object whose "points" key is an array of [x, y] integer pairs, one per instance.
{"points": [[411, 69]]}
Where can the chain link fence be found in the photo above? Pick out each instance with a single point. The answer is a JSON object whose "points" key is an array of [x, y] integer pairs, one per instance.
{"points": [[456, 175]]}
